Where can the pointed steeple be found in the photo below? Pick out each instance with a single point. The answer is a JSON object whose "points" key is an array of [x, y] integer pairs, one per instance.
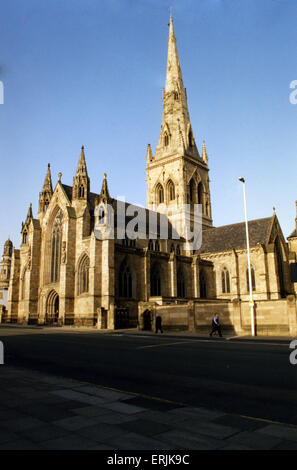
{"points": [[46, 193], [174, 77], [47, 185], [29, 214], [149, 155], [204, 153], [25, 226], [176, 131], [82, 166], [81, 181], [104, 195]]}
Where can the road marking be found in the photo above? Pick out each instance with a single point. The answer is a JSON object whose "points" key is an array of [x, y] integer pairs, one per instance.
{"points": [[165, 344], [265, 420]]}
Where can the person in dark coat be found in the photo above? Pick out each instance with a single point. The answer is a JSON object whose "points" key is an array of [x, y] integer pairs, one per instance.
{"points": [[215, 326], [159, 324]]}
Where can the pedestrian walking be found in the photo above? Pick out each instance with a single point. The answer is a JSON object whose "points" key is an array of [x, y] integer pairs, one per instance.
{"points": [[159, 324], [215, 326]]}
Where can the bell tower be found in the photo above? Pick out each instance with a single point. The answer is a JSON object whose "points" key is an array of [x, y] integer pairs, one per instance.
{"points": [[177, 174]]}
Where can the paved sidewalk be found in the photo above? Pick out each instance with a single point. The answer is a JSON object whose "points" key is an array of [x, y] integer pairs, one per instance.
{"points": [[39, 411]]}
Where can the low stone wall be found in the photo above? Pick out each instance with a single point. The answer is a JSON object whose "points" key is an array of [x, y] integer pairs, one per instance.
{"points": [[174, 317], [272, 317]]}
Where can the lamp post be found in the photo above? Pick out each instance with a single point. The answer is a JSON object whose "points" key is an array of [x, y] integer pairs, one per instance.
{"points": [[251, 302]]}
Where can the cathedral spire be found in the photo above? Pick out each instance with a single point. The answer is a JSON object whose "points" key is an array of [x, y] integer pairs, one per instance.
{"points": [[174, 77], [81, 181], [176, 131]]}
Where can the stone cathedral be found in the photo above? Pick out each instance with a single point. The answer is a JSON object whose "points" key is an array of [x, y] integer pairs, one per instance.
{"points": [[63, 274]]}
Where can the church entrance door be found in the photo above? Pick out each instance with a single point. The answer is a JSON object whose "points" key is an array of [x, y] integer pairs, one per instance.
{"points": [[52, 308]]}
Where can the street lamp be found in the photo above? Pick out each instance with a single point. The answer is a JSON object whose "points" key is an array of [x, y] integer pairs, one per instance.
{"points": [[251, 303]]}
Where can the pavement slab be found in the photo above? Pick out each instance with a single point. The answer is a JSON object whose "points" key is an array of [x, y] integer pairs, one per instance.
{"points": [[69, 414]]}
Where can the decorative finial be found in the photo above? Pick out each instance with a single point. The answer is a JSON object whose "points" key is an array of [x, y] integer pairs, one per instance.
{"points": [[273, 210], [59, 176], [48, 165], [105, 176], [82, 147]]}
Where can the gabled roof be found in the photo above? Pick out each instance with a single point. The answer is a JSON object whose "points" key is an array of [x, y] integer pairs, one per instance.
{"points": [[233, 237], [68, 191]]}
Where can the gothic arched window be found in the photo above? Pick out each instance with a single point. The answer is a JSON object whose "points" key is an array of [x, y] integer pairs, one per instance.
{"points": [[24, 237], [23, 284], [203, 285], [125, 281], [83, 275], [181, 285], [177, 250], [160, 194], [172, 248], [192, 191], [156, 281], [150, 245], [45, 205], [56, 244], [200, 193], [191, 140], [253, 279], [225, 281], [280, 271], [81, 191], [157, 245], [166, 139], [170, 191]]}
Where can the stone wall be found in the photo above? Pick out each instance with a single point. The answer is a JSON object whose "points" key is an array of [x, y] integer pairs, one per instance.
{"points": [[272, 317]]}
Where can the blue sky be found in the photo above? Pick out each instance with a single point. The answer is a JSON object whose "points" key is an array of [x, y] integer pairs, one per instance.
{"points": [[92, 72]]}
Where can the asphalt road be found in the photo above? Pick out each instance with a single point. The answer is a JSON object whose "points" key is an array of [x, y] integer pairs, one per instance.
{"points": [[248, 378]]}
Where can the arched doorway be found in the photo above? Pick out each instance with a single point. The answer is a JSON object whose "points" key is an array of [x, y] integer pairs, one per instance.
{"points": [[52, 308], [147, 320]]}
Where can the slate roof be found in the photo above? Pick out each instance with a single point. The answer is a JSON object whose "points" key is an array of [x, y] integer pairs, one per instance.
{"points": [[93, 196], [68, 191], [229, 237]]}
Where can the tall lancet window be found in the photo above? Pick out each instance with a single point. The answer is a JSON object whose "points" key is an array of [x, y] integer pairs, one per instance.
{"points": [[191, 139], [160, 194], [166, 139], [170, 191], [83, 275], [81, 191], [225, 281], [125, 281], [56, 247]]}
